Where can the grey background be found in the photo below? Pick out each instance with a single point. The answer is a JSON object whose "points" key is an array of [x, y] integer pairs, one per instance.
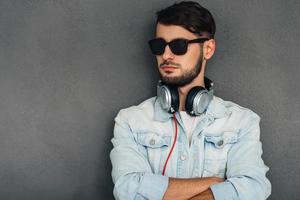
{"points": [[68, 67]]}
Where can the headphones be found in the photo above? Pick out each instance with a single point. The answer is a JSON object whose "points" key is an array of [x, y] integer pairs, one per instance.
{"points": [[197, 99]]}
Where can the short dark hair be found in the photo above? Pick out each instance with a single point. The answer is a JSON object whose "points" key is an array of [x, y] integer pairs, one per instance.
{"points": [[190, 15]]}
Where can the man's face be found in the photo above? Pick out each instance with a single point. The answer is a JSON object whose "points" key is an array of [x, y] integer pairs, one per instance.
{"points": [[178, 70]]}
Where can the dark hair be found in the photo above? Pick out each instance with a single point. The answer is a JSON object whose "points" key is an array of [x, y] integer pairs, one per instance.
{"points": [[190, 15]]}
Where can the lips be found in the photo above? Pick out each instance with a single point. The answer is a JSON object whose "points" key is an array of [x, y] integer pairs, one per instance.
{"points": [[168, 68]]}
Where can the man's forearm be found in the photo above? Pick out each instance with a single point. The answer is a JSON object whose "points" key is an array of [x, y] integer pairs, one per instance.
{"points": [[179, 189], [206, 195]]}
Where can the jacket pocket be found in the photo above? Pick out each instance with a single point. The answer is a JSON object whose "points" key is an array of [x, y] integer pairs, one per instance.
{"points": [[216, 148], [155, 147]]}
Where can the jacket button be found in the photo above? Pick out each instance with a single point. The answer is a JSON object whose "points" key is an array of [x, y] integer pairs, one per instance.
{"points": [[182, 157], [152, 142], [220, 143]]}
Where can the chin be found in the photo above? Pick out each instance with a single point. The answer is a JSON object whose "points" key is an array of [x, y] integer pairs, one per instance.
{"points": [[169, 76]]}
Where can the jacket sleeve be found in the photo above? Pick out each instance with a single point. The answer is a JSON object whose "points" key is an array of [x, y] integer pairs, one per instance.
{"points": [[246, 171], [131, 172]]}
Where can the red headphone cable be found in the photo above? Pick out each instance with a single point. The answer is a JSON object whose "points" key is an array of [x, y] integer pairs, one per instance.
{"points": [[165, 166]]}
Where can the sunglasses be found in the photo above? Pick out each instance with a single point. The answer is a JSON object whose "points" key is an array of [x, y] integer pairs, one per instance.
{"points": [[177, 46]]}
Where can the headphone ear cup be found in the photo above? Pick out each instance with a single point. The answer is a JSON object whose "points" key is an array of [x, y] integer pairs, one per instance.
{"points": [[168, 97], [196, 101], [189, 101]]}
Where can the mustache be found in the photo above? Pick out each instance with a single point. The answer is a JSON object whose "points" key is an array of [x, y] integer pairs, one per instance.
{"points": [[166, 62]]}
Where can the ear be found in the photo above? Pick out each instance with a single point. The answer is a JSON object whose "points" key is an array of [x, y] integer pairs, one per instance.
{"points": [[209, 48]]}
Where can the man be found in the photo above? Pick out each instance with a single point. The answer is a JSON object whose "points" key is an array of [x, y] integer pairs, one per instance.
{"points": [[186, 143]]}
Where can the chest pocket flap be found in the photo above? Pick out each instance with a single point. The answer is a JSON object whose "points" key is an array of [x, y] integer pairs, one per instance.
{"points": [[219, 141], [153, 140]]}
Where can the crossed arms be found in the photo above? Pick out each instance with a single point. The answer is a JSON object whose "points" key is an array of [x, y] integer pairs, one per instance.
{"points": [[194, 188], [134, 178]]}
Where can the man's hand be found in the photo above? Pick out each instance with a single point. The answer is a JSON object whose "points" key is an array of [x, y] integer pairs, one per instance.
{"points": [[182, 189]]}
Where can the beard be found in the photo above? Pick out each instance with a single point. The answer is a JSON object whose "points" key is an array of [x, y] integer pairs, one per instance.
{"points": [[186, 78]]}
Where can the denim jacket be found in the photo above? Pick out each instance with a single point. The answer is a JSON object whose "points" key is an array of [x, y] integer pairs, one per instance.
{"points": [[225, 143]]}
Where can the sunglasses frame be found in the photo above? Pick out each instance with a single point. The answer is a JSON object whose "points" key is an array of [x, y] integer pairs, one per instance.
{"points": [[187, 42]]}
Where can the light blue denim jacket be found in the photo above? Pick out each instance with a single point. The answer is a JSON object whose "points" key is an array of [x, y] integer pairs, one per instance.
{"points": [[225, 143]]}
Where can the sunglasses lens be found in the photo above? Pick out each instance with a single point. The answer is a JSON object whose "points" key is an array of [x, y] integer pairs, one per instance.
{"points": [[157, 46], [179, 46]]}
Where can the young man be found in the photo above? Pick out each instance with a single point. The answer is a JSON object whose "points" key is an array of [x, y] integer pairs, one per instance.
{"points": [[186, 143]]}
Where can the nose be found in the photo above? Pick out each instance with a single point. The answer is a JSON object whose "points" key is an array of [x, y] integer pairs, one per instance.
{"points": [[168, 55]]}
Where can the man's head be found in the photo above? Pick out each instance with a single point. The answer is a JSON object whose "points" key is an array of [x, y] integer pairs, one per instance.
{"points": [[189, 21]]}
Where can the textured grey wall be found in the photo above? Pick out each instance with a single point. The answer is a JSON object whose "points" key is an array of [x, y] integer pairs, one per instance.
{"points": [[67, 67]]}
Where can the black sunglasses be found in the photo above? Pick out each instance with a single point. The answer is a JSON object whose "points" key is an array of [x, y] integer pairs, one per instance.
{"points": [[178, 46]]}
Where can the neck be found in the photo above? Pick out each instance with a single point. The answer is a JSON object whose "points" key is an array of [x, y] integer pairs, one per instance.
{"points": [[183, 91]]}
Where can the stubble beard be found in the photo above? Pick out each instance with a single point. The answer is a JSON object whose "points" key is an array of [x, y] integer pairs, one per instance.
{"points": [[186, 78]]}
